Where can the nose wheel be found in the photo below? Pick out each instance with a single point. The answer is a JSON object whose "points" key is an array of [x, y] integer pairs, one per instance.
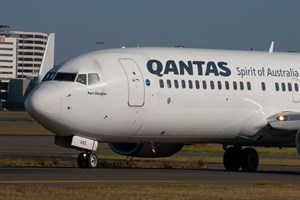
{"points": [[87, 160]]}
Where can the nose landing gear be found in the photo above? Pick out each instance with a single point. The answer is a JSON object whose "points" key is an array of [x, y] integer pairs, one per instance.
{"points": [[87, 160]]}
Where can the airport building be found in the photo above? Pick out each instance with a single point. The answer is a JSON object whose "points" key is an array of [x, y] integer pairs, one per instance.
{"points": [[21, 55]]}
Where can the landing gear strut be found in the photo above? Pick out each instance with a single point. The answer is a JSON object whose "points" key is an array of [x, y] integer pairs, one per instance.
{"points": [[87, 160], [236, 158]]}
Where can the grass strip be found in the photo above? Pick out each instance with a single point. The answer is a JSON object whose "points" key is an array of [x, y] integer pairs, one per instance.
{"points": [[217, 148], [13, 129], [117, 161], [107, 162], [153, 192]]}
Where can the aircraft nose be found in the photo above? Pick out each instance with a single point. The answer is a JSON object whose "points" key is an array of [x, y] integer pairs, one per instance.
{"points": [[44, 103]]}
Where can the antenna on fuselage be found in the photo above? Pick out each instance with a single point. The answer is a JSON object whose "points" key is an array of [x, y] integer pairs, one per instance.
{"points": [[271, 49]]}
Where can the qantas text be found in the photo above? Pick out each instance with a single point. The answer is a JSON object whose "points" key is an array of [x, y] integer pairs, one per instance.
{"points": [[202, 68]]}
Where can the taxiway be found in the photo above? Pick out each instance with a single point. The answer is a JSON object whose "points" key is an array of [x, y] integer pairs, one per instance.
{"points": [[43, 146]]}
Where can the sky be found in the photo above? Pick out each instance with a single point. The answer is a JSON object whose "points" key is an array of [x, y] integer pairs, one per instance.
{"points": [[80, 25]]}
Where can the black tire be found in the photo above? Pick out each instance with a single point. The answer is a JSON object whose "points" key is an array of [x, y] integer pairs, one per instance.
{"points": [[92, 160], [82, 160], [250, 160], [232, 159]]}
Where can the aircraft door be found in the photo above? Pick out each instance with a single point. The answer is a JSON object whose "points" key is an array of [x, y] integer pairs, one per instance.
{"points": [[136, 88], [296, 90]]}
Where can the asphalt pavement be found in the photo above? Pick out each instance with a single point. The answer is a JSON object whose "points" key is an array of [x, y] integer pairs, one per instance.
{"points": [[43, 146]]}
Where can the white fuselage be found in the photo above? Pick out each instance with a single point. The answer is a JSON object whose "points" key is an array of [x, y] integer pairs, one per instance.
{"points": [[128, 104]]}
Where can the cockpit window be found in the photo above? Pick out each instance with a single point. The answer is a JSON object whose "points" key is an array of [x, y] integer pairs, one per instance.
{"points": [[93, 78], [81, 78], [65, 77], [84, 79], [49, 76]]}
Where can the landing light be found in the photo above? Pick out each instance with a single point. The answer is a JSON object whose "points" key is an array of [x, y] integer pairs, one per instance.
{"points": [[282, 118]]}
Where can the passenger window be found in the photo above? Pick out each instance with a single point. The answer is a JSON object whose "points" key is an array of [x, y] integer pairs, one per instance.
{"points": [[197, 84], [263, 86], [190, 84], [283, 87], [241, 85], [176, 84], [219, 85], [81, 78], [227, 85], [183, 84], [234, 85], [212, 85], [276, 86], [169, 83], [289, 87], [204, 85], [161, 83], [296, 87], [93, 78], [248, 85]]}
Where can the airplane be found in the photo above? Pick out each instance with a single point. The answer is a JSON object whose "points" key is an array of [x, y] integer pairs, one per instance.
{"points": [[151, 101]]}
